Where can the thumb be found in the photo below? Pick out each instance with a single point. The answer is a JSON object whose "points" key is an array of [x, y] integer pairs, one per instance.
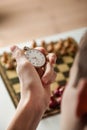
{"points": [[18, 54]]}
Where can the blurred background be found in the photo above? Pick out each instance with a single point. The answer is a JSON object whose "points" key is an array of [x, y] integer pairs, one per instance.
{"points": [[23, 20]]}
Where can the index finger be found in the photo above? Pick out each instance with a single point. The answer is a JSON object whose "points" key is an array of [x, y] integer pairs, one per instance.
{"points": [[44, 51]]}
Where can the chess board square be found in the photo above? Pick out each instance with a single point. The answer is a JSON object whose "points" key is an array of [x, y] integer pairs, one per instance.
{"points": [[14, 80], [54, 86], [68, 59], [11, 74], [63, 67], [70, 65], [59, 77], [62, 82], [59, 60], [16, 88], [66, 74], [56, 68]]}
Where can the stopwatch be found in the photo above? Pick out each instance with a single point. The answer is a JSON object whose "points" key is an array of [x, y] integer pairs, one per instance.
{"points": [[35, 57]]}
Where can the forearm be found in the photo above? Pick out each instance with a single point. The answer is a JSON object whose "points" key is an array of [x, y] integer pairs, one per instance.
{"points": [[27, 117], [35, 91]]}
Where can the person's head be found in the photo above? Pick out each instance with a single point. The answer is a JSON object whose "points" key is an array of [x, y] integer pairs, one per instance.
{"points": [[79, 68], [74, 102]]}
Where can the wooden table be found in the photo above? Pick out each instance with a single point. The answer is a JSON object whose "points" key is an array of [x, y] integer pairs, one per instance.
{"points": [[23, 20]]}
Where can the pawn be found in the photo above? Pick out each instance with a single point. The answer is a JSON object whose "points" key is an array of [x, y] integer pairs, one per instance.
{"points": [[56, 93], [67, 44], [59, 100], [53, 103], [34, 44], [73, 48], [43, 44], [63, 51], [14, 62], [9, 65], [4, 57], [59, 45], [61, 89], [50, 47]]}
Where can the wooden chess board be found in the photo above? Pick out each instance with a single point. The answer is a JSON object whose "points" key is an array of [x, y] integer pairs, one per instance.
{"points": [[62, 67]]}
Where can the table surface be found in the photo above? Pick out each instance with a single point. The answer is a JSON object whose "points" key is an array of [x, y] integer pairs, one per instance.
{"points": [[21, 20], [7, 108]]}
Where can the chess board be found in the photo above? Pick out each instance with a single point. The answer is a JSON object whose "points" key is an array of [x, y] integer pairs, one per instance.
{"points": [[62, 67]]}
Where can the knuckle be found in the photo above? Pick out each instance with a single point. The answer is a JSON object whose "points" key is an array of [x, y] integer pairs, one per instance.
{"points": [[17, 52], [25, 64], [21, 67], [52, 58]]}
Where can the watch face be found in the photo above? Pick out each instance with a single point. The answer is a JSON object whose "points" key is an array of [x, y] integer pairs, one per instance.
{"points": [[35, 57]]}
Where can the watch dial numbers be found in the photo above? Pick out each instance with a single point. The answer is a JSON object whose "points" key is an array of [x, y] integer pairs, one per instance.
{"points": [[35, 57]]}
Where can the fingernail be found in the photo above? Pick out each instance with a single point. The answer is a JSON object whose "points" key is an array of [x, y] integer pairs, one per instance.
{"points": [[45, 80], [13, 48]]}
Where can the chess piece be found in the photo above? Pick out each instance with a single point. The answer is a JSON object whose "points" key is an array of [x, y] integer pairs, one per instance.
{"points": [[9, 65], [43, 44], [34, 44], [66, 44], [50, 47], [4, 57]]}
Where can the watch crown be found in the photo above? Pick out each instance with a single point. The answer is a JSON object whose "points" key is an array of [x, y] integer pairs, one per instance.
{"points": [[26, 48]]}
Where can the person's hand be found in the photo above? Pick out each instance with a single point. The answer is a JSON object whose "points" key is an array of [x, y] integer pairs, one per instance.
{"points": [[33, 86], [35, 90]]}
